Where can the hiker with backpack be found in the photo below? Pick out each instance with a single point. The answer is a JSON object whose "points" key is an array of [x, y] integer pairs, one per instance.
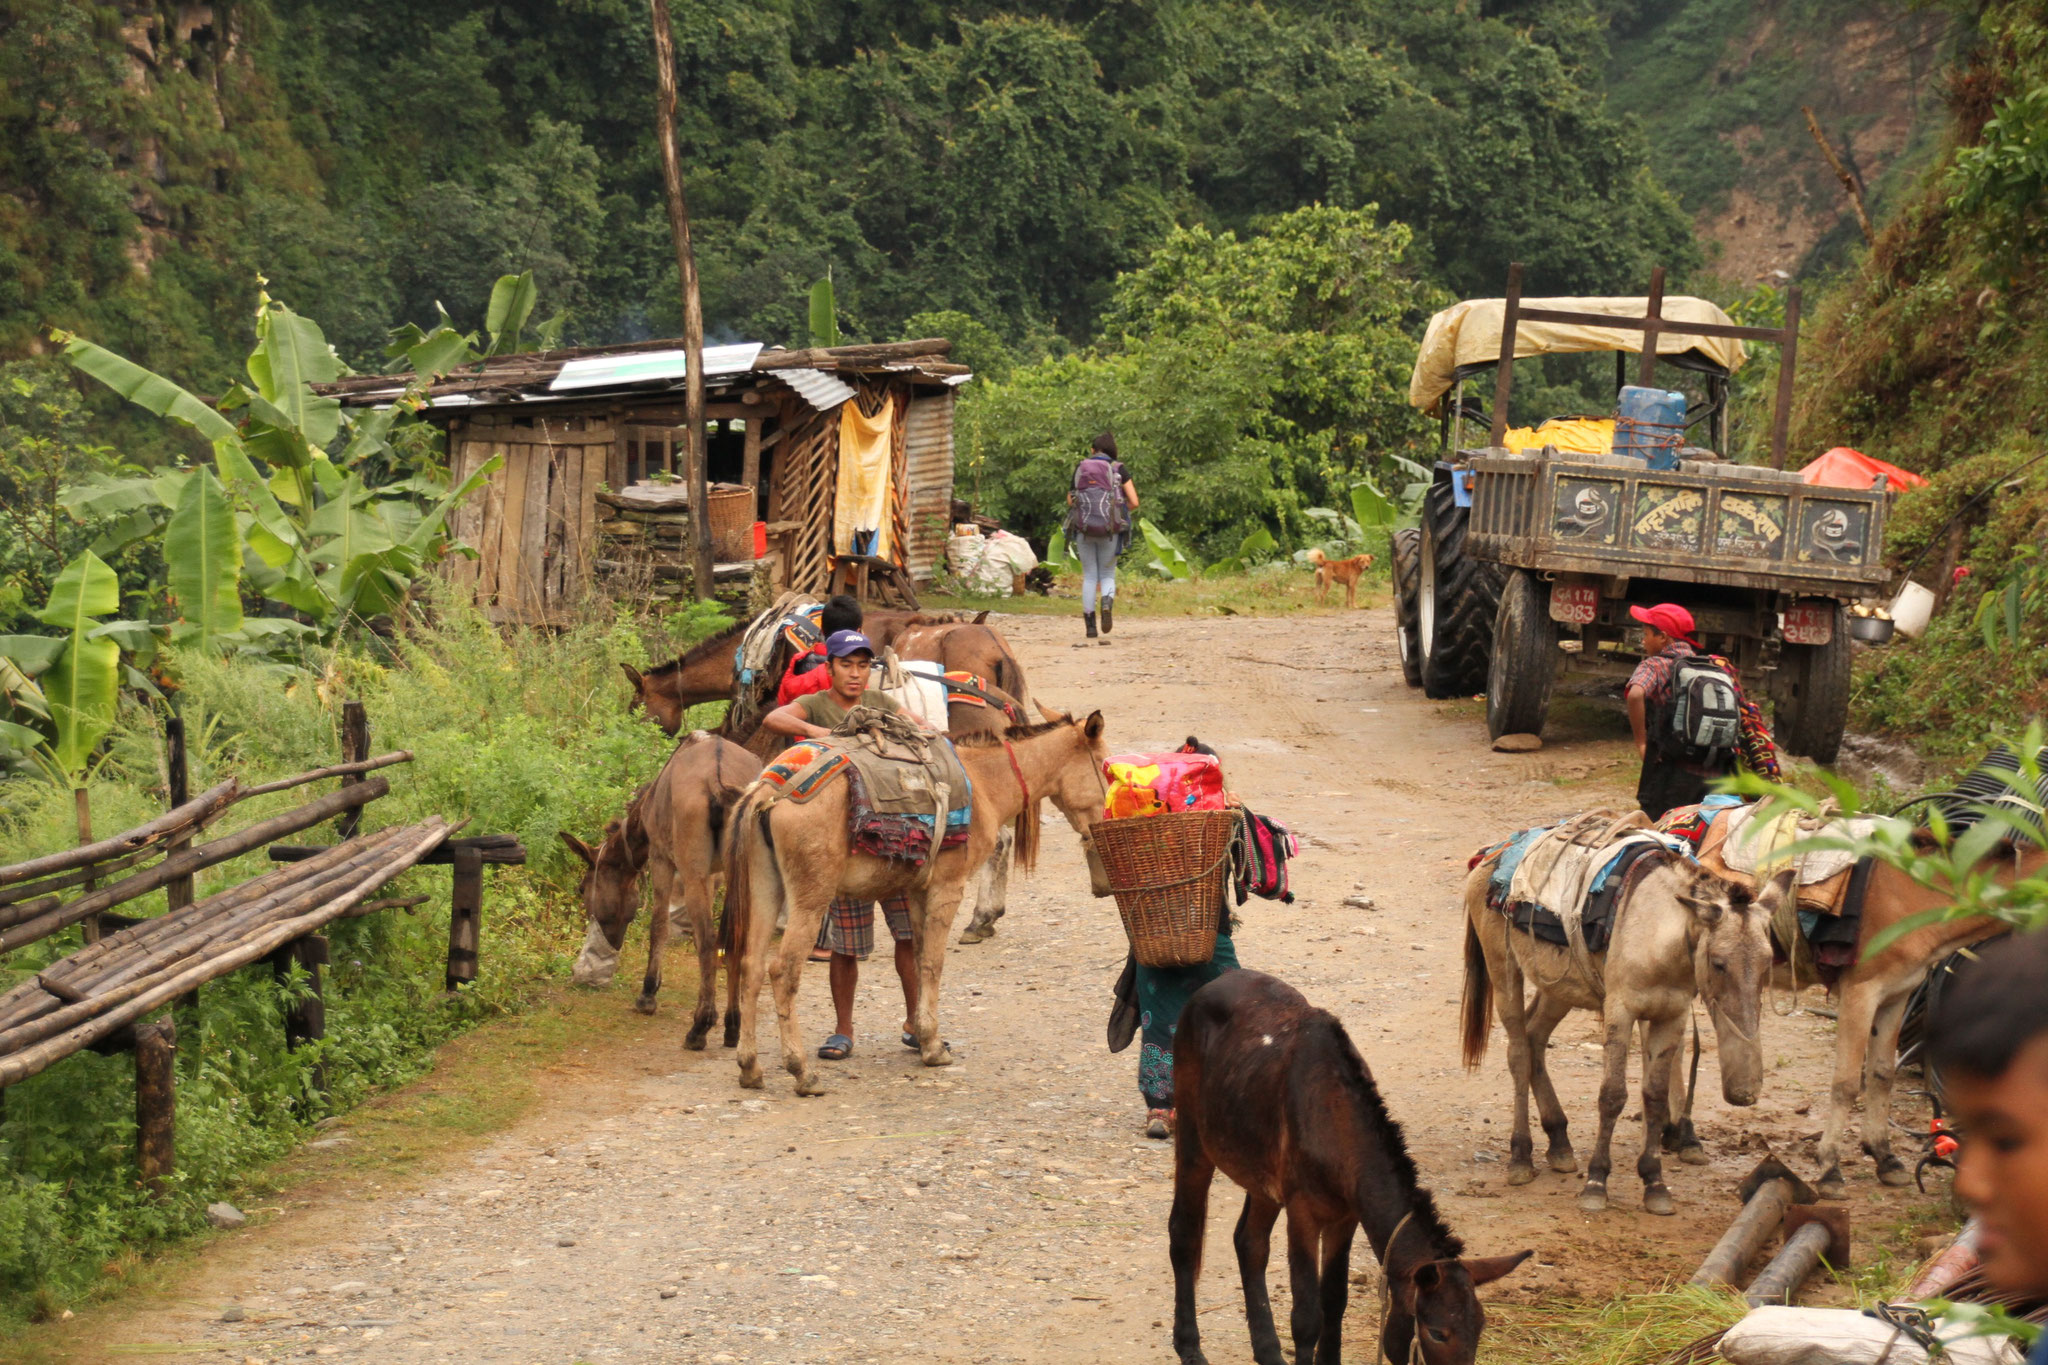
{"points": [[1098, 527], [1692, 722]]}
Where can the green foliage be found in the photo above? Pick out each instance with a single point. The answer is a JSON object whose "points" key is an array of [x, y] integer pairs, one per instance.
{"points": [[1168, 559], [81, 684], [2002, 181], [824, 314], [1245, 379]]}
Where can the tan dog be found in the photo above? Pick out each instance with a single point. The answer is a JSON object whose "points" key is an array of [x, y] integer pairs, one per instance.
{"points": [[1345, 571]]}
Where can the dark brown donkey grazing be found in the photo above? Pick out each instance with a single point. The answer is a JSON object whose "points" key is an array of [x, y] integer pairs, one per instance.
{"points": [[674, 828], [1270, 1091]]}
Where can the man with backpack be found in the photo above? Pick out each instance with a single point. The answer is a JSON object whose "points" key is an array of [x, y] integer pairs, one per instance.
{"points": [[1098, 524], [1691, 721]]}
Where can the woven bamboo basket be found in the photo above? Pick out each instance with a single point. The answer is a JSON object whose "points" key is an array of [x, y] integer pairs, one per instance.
{"points": [[731, 509], [1169, 873]]}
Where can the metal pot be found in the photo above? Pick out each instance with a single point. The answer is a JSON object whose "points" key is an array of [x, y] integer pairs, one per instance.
{"points": [[1872, 630]]}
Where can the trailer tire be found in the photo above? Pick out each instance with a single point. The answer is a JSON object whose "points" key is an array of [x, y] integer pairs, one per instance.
{"points": [[1811, 705], [1455, 601], [1407, 557], [1524, 662]]}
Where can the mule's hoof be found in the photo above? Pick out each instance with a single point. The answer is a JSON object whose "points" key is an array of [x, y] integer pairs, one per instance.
{"points": [[1831, 1185], [1562, 1160], [732, 1032], [694, 1039], [1892, 1171], [647, 1004], [942, 1057], [1695, 1155], [751, 1078], [976, 933], [809, 1085], [1657, 1200], [1593, 1199], [1521, 1173]]}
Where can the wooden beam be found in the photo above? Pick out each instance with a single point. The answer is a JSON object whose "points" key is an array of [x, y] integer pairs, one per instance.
{"points": [[355, 747], [1653, 323], [1504, 371], [156, 1103], [1667, 325], [465, 916]]}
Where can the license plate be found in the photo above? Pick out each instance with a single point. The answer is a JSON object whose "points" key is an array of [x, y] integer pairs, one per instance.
{"points": [[1810, 623], [1575, 604]]}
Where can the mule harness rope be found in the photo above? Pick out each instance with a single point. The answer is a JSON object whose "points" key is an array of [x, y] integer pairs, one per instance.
{"points": [[1387, 1293]]}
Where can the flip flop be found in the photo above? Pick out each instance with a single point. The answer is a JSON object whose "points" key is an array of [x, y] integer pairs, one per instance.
{"points": [[837, 1048]]}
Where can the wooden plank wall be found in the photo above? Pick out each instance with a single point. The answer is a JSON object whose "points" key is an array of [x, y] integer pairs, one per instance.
{"points": [[805, 475], [532, 527], [928, 441]]}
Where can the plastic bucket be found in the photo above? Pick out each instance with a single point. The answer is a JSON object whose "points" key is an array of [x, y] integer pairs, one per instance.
{"points": [[1912, 609]]}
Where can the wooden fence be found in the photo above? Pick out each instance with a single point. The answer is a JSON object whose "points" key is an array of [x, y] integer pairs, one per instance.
{"points": [[99, 996]]}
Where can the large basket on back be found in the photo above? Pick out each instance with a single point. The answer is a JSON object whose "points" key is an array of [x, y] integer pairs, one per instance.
{"points": [[1168, 873]]}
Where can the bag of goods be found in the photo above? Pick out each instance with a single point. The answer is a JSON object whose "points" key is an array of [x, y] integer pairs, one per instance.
{"points": [[1155, 784]]}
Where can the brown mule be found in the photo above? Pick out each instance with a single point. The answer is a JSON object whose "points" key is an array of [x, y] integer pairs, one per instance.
{"points": [[1269, 1090], [674, 829], [785, 857]]}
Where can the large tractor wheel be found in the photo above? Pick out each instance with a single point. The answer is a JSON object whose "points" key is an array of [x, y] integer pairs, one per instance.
{"points": [[1524, 663], [1812, 695], [1407, 555], [1455, 601]]}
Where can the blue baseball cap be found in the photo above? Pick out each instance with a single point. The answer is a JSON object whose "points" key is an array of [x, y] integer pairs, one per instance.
{"points": [[844, 642]]}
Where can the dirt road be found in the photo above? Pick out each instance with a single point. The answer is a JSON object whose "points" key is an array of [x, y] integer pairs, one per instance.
{"points": [[1008, 1209]]}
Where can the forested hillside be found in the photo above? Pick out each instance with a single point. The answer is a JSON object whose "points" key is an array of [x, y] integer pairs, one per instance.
{"points": [[1005, 160]]}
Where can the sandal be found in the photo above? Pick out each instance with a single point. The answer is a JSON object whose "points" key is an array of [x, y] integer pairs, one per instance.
{"points": [[1159, 1123], [837, 1048]]}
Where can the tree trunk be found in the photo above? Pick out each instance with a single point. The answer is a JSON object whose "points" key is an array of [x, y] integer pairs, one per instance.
{"points": [[693, 303]]}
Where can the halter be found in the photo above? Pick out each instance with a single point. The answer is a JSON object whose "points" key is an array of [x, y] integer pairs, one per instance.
{"points": [[1387, 1293]]}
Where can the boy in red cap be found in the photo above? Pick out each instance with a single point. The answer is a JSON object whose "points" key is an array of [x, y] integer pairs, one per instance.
{"points": [[1677, 770]]}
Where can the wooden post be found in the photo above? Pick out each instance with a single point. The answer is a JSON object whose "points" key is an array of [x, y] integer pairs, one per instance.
{"points": [[156, 1102], [81, 805], [1504, 373], [1788, 358], [750, 455], [693, 302], [465, 916], [1646, 369], [355, 747], [178, 891], [306, 1019], [1842, 173]]}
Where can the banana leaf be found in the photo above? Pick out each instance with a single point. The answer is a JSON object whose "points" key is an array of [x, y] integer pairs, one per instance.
{"points": [[439, 352], [291, 355], [85, 589], [370, 434], [1370, 507], [512, 300], [125, 530], [202, 556], [33, 654], [19, 691], [18, 738], [1168, 558], [145, 388], [81, 689]]}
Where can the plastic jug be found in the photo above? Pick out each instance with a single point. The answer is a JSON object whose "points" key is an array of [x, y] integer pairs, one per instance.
{"points": [[1649, 424], [1912, 609]]}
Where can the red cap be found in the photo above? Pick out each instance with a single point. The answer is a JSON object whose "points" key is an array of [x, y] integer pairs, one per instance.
{"points": [[1667, 617]]}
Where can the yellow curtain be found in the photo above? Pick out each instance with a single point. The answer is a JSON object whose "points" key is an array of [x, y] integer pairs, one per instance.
{"points": [[861, 499]]}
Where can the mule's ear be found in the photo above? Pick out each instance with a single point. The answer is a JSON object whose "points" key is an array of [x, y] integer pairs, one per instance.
{"points": [[1428, 1276], [1487, 1269], [633, 677], [1781, 885], [1706, 896], [1093, 726], [980, 618], [578, 847], [1049, 713]]}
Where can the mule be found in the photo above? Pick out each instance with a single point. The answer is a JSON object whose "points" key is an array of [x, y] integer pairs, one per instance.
{"points": [[1874, 995], [674, 832], [1270, 1091], [790, 858], [1677, 933]]}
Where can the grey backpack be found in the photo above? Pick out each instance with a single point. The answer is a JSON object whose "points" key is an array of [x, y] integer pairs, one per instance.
{"points": [[1705, 712]]}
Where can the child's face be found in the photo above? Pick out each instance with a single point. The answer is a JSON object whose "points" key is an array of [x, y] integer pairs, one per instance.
{"points": [[2002, 1170]]}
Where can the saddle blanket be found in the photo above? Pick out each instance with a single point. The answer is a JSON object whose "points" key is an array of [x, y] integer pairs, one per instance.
{"points": [[894, 773], [1597, 920], [1747, 843]]}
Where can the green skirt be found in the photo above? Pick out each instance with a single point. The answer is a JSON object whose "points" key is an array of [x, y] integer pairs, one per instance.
{"points": [[1162, 993]]}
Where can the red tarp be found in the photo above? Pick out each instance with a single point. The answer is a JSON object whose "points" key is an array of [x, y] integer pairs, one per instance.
{"points": [[1846, 468]]}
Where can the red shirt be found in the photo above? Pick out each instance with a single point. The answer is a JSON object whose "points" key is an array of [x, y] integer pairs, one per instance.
{"points": [[795, 684]]}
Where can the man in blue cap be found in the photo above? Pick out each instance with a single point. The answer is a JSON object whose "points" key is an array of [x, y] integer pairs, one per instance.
{"points": [[850, 924]]}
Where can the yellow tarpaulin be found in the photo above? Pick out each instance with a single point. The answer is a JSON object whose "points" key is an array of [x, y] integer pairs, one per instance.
{"points": [[861, 498], [1572, 435], [1468, 333]]}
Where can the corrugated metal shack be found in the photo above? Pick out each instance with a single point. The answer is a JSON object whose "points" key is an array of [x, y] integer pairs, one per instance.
{"points": [[579, 429]]}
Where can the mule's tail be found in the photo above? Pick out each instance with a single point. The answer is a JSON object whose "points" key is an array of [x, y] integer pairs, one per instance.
{"points": [[746, 823], [1477, 1007], [1009, 675]]}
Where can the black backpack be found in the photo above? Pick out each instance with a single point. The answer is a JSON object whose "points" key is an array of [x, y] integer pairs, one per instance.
{"points": [[1703, 718]]}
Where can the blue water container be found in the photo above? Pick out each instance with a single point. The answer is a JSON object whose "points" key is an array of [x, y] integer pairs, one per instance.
{"points": [[1650, 425]]}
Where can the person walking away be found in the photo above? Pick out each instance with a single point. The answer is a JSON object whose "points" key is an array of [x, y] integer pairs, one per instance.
{"points": [[807, 672], [1098, 520], [850, 923], [1692, 723], [1988, 1041]]}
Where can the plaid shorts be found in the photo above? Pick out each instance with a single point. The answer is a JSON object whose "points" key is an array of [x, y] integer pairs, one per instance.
{"points": [[850, 924]]}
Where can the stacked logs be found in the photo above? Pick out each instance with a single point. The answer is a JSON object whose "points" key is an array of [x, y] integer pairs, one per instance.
{"points": [[107, 986]]}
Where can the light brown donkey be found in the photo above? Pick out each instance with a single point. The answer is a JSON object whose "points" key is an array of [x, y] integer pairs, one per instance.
{"points": [[674, 828], [782, 856]]}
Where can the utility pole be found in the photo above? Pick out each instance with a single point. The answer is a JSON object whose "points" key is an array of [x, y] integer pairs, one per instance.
{"points": [[693, 302]]}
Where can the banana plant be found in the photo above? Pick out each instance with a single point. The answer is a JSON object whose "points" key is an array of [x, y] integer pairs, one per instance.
{"points": [[276, 509], [69, 682]]}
